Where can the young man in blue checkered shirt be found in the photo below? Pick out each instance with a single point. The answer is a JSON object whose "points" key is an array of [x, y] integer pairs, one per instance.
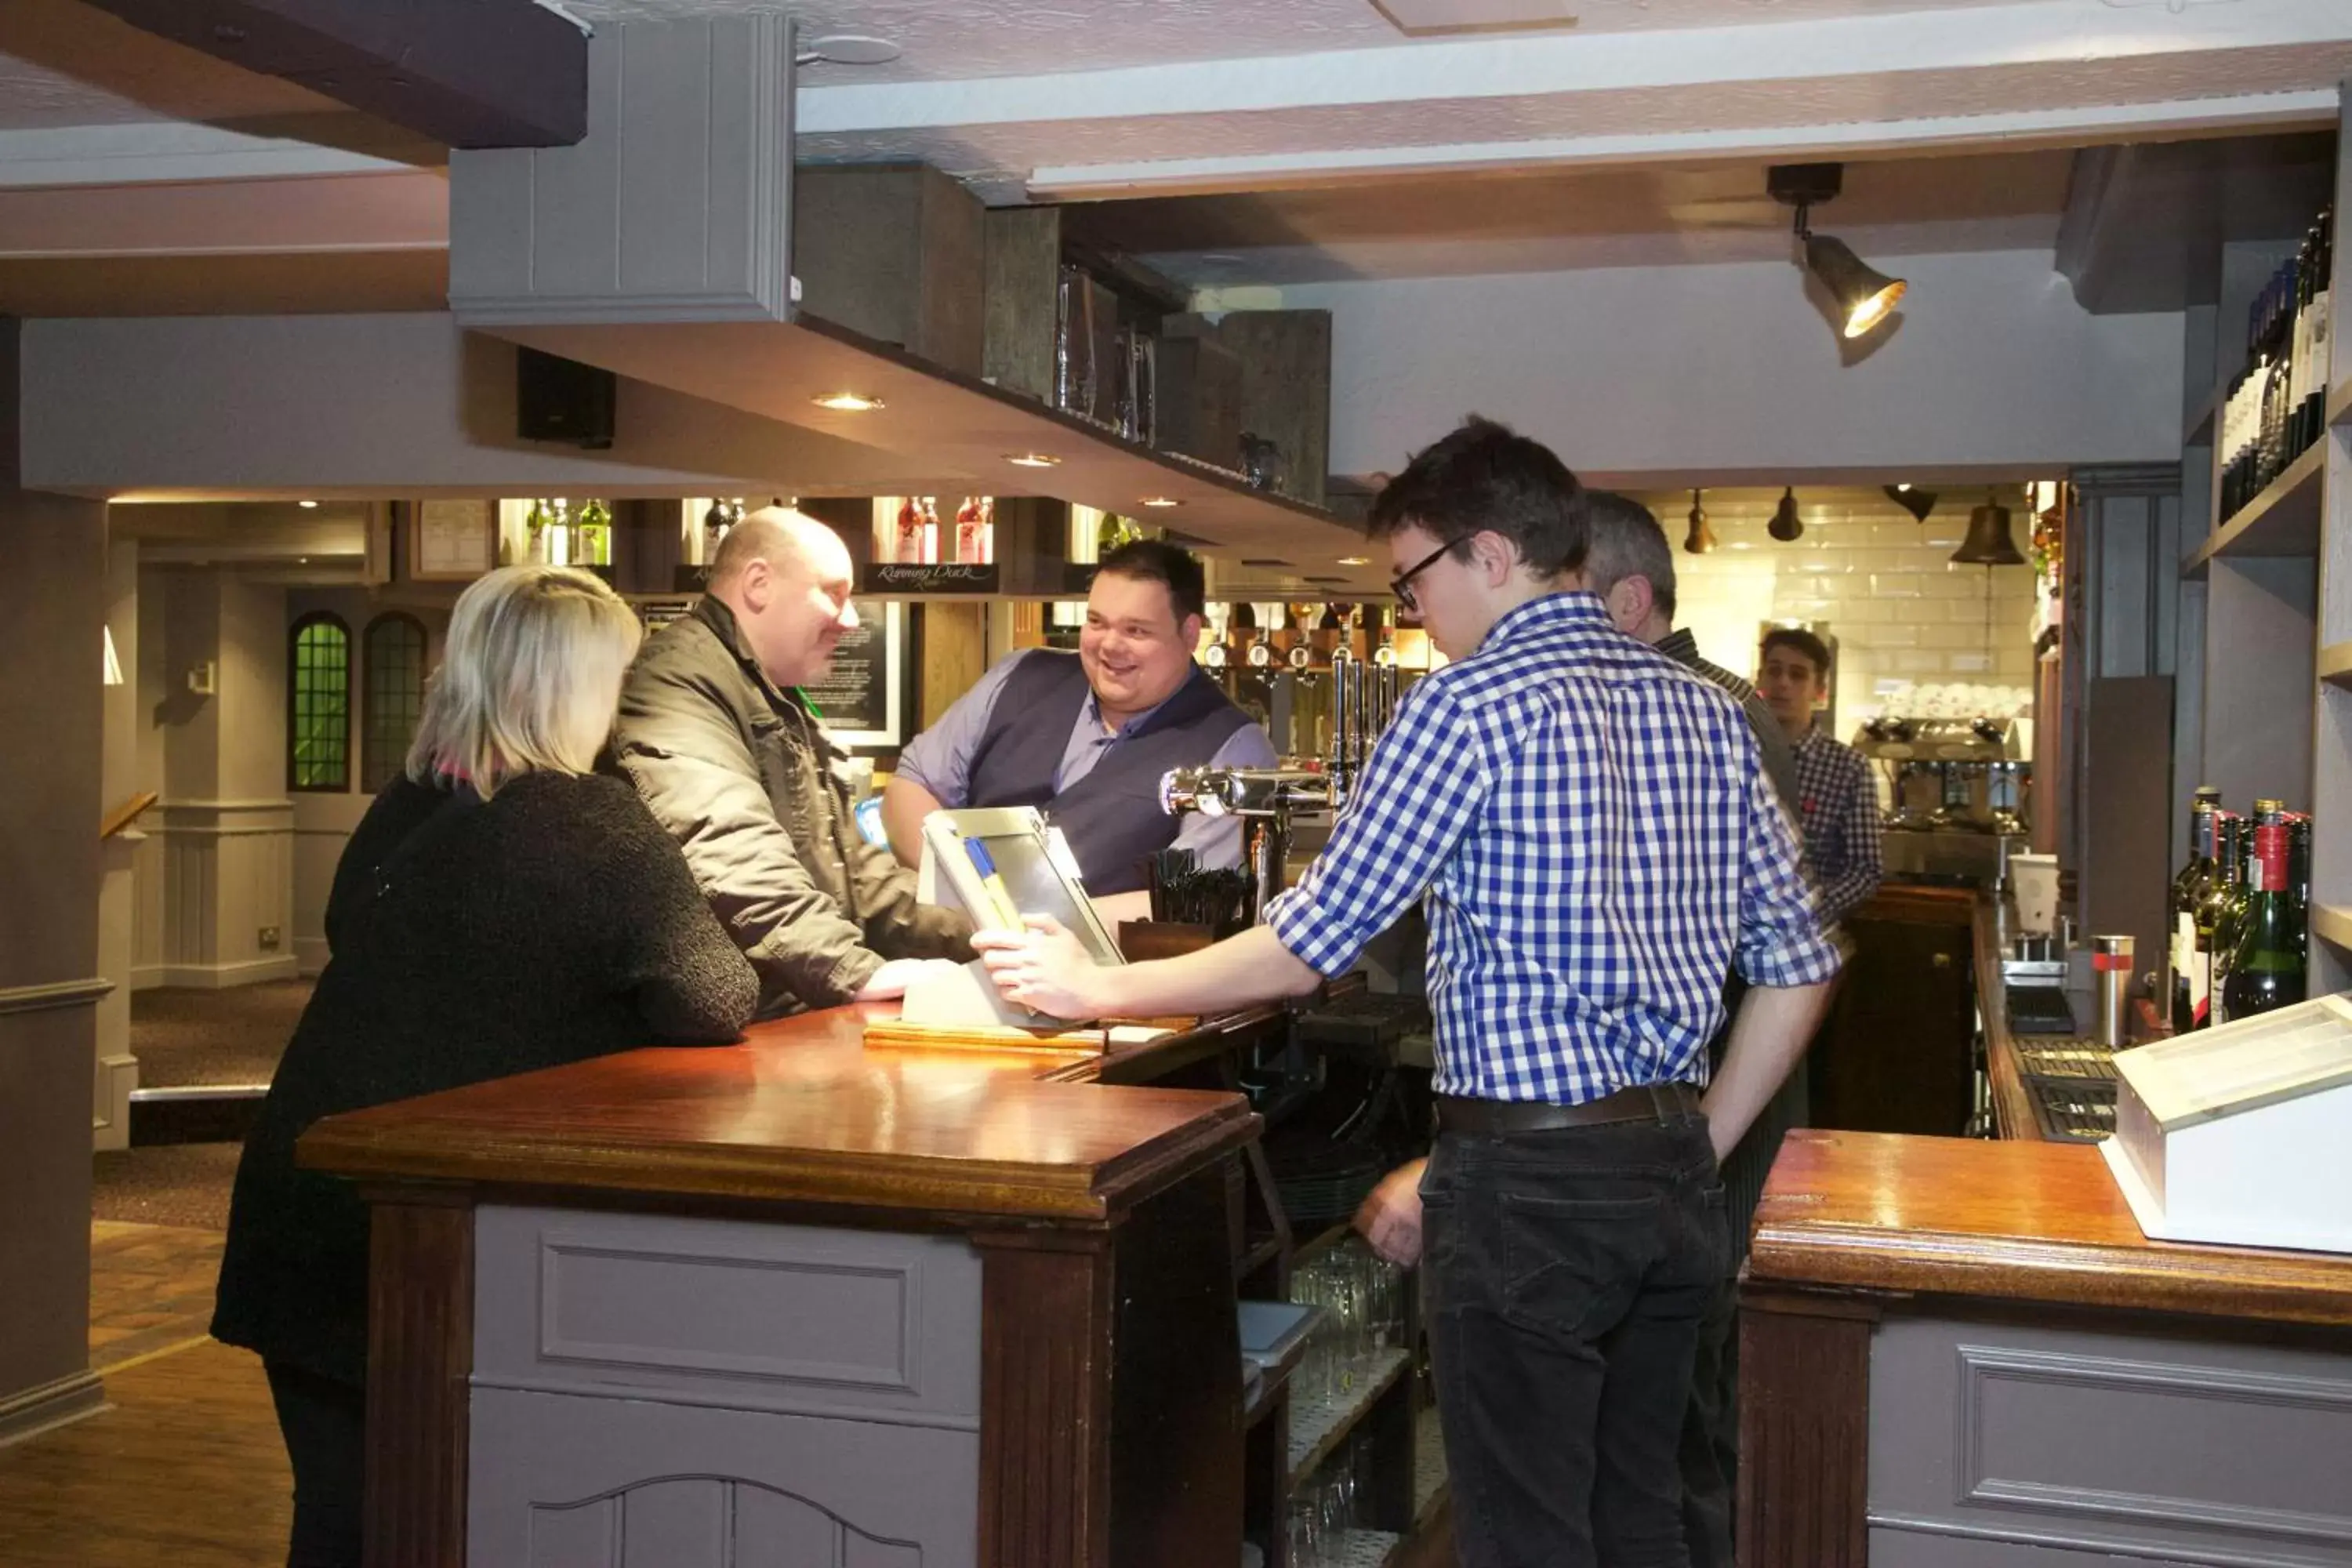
{"points": [[1594, 842]]}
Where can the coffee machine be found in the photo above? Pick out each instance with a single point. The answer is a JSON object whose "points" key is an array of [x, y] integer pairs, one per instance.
{"points": [[1959, 792]]}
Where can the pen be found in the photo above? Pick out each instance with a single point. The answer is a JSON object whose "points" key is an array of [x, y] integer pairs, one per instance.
{"points": [[985, 863]]}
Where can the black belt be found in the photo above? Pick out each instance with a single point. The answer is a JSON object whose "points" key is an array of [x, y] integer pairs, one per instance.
{"points": [[1645, 1102]]}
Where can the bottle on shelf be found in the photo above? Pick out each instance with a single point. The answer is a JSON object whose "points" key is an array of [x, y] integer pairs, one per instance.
{"points": [[907, 549], [1111, 533], [2213, 898], [2228, 922], [967, 548], [2187, 887], [559, 533], [2321, 331], [715, 524], [930, 530], [2267, 970], [592, 534], [2298, 867]]}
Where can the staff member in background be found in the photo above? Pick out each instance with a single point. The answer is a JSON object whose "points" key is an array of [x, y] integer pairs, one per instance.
{"points": [[1596, 843], [1086, 739], [1837, 802], [1632, 567], [719, 740], [501, 908]]}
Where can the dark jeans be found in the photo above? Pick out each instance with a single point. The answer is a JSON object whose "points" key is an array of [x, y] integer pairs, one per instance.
{"points": [[1567, 1275], [325, 1425], [1710, 1442]]}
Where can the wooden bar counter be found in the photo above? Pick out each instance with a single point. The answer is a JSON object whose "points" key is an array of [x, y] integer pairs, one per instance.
{"points": [[801, 1300], [1961, 1353]]}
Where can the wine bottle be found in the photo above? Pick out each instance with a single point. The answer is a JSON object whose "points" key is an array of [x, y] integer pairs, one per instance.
{"points": [[537, 524], [967, 532], [2212, 899], [714, 532], [594, 531], [907, 551], [2319, 331], [2267, 970], [2184, 888]]}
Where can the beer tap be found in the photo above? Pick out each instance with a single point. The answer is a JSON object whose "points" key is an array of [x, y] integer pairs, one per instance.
{"points": [[1266, 800]]}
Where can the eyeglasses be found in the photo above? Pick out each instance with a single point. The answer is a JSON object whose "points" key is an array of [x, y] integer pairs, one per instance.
{"points": [[1401, 585]]}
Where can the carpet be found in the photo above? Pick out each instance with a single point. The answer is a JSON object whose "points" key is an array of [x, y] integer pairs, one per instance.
{"points": [[182, 1034]]}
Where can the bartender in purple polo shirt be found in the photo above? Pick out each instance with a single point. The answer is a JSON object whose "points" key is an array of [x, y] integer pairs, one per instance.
{"points": [[1086, 739]]}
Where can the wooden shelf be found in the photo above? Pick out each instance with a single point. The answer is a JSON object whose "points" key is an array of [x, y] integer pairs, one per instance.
{"points": [[2331, 923], [2282, 522], [1317, 1427], [2339, 405], [2333, 665]]}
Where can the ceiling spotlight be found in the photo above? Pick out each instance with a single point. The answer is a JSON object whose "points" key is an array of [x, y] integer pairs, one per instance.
{"points": [[1701, 538], [1161, 501], [1864, 298], [847, 402], [1355, 560], [308, 505], [1990, 543], [1786, 524], [1918, 503], [1033, 460]]}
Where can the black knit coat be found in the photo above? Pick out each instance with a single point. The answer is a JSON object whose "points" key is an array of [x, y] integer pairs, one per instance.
{"points": [[471, 940]]}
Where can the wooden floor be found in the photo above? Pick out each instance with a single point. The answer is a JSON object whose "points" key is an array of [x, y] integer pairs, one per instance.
{"points": [[184, 1469]]}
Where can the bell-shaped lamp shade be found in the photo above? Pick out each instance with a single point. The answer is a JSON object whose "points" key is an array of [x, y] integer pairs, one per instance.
{"points": [[1701, 538], [1989, 543], [1786, 524], [1913, 500], [1864, 298]]}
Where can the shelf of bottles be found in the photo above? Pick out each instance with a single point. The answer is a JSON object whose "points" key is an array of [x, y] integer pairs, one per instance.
{"points": [[556, 531], [2276, 408], [922, 531], [2241, 913]]}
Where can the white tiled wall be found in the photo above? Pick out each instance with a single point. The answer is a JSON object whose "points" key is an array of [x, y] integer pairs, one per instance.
{"points": [[1884, 584]]}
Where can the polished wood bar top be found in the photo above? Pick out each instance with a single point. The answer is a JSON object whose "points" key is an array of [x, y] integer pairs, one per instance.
{"points": [[2013, 1104], [803, 1112], [2023, 1221]]}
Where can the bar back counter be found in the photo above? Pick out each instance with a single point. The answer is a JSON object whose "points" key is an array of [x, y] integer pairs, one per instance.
{"points": [[1965, 1352], [803, 1301]]}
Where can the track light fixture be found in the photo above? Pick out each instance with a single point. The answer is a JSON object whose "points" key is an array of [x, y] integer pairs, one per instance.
{"points": [[1864, 298], [1786, 524], [1701, 538], [1913, 500]]}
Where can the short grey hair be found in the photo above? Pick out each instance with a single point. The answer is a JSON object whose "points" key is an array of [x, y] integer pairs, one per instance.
{"points": [[1628, 543], [528, 678]]}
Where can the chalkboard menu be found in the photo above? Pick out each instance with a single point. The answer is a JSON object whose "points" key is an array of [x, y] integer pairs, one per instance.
{"points": [[858, 697]]}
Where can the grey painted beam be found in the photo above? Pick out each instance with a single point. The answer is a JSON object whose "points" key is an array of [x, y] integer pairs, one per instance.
{"points": [[467, 73]]}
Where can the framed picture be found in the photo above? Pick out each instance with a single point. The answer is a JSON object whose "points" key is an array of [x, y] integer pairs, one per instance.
{"points": [[861, 697], [451, 540]]}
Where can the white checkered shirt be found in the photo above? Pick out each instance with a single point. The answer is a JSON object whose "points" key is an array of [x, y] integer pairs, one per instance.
{"points": [[1596, 842], [1839, 804]]}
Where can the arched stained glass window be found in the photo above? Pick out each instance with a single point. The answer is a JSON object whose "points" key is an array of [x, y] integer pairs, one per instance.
{"points": [[392, 661], [318, 704]]}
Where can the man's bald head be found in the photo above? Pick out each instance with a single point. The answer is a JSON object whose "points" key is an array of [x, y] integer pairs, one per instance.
{"points": [[781, 537], [788, 578]]}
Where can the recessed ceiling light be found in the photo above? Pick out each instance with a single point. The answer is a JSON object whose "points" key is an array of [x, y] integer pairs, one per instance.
{"points": [[308, 505], [1033, 460], [847, 402], [849, 50], [1161, 501], [1355, 560]]}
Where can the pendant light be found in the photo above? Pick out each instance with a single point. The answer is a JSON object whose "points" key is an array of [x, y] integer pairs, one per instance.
{"points": [[1989, 543], [1701, 538], [1786, 524], [1864, 297], [1916, 502]]}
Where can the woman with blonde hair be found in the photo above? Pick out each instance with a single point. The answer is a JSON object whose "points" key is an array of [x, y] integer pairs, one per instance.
{"points": [[502, 907]]}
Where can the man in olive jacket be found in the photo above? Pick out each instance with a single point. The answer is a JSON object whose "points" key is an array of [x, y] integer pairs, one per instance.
{"points": [[716, 737]]}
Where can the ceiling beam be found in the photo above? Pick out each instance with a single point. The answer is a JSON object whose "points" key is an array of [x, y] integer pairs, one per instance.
{"points": [[465, 73]]}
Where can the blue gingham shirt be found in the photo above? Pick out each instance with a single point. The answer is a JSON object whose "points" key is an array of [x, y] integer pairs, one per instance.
{"points": [[1839, 803], [1596, 841]]}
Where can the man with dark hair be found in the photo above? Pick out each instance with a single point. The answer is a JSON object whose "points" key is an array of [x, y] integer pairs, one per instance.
{"points": [[1595, 842], [1632, 567], [1837, 804], [1086, 739]]}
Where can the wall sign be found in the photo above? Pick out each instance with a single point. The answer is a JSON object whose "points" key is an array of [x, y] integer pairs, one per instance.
{"points": [[916, 577], [859, 696]]}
